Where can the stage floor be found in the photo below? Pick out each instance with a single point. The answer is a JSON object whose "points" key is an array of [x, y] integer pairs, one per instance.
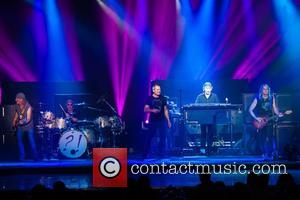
{"points": [[77, 173]]}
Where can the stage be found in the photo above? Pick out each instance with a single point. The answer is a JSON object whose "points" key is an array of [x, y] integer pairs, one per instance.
{"points": [[173, 99], [77, 173]]}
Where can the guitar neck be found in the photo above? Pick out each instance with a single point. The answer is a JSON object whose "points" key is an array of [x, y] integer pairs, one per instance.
{"points": [[273, 117]]}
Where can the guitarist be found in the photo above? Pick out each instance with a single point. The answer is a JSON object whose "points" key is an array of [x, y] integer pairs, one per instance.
{"points": [[264, 105], [23, 123]]}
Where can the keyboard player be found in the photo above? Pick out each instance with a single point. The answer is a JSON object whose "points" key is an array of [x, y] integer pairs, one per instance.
{"points": [[207, 129]]}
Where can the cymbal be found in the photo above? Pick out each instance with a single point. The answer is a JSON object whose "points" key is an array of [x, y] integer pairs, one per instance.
{"points": [[80, 104], [95, 109], [84, 122], [41, 103]]}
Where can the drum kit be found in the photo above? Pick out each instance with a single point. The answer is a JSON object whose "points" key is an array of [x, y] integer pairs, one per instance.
{"points": [[62, 138]]}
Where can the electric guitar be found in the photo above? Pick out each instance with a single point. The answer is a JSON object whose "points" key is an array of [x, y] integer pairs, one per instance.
{"points": [[20, 120], [265, 120]]}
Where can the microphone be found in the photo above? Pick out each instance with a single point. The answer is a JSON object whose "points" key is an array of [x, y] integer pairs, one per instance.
{"points": [[227, 112]]}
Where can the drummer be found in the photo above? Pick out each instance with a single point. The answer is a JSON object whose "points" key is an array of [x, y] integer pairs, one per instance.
{"points": [[70, 113]]}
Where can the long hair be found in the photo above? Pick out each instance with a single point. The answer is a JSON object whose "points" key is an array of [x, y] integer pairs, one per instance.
{"points": [[260, 93]]}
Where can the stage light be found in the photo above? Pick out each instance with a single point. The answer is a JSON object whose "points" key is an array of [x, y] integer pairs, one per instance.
{"points": [[178, 5], [58, 63], [260, 56], [196, 47], [123, 43], [288, 17], [263, 49], [72, 42], [224, 48], [57, 49], [12, 62], [0, 94], [124, 29]]}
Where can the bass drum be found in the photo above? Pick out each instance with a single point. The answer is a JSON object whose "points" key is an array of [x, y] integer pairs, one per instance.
{"points": [[90, 134], [72, 144]]}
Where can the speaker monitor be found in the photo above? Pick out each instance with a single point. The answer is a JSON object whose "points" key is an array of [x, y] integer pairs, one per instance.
{"points": [[8, 112], [287, 135], [247, 100]]}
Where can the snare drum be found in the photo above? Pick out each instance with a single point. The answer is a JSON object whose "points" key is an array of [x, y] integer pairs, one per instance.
{"points": [[72, 144]]}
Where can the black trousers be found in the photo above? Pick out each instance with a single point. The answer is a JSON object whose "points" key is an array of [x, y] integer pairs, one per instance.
{"points": [[155, 127], [266, 140], [207, 134]]}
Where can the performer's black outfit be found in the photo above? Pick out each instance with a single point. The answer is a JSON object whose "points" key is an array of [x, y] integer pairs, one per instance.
{"points": [[157, 122], [207, 130], [266, 139]]}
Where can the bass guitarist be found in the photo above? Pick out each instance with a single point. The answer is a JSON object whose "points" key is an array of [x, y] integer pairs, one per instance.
{"points": [[262, 107]]}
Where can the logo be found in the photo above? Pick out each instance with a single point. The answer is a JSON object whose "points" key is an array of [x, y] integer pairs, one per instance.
{"points": [[110, 167]]}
